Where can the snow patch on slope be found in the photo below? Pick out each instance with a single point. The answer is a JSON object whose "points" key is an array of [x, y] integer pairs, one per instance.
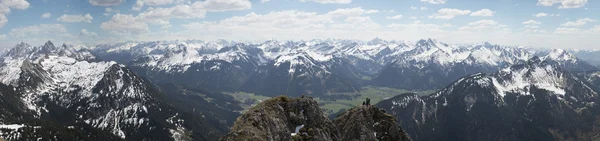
{"points": [[520, 81], [9, 73]]}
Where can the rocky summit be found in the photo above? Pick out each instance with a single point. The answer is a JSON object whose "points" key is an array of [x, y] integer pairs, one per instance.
{"points": [[301, 119], [277, 118], [369, 123]]}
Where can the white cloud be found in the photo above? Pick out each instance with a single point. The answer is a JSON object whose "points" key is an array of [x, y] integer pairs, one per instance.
{"points": [[75, 18], [371, 11], [572, 4], [157, 2], [108, 11], [85, 33], [564, 4], [178, 11], [596, 29], [124, 24], [3, 20], [36, 30], [540, 15], [162, 15], [347, 12], [7, 5], [138, 5], [532, 26], [483, 12], [531, 22], [447, 13], [415, 8], [435, 1], [38, 34], [579, 31], [394, 17], [562, 30], [263, 1], [579, 22], [303, 25], [223, 5], [417, 26], [46, 15], [329, 1], [483, 25], [2, 36], [361, 23], [533, 29], [106, 2], [389, 11]]}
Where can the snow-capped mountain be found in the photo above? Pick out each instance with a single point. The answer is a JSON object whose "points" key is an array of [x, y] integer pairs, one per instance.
{"points": [[568, 61], [66, 85], [533, 100], [434, 65], [240, 66], [300, 74], [339, 64]]}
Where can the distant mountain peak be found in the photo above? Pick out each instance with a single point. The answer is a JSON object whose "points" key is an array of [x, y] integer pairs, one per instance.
{"points": [[21, 43], [376, 41], [485, 44], [561, 55], [428, 43], [49, 44]]}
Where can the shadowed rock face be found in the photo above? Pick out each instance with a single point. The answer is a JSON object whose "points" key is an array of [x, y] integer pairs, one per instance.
{"points": [[275, 119], [369, 123]]}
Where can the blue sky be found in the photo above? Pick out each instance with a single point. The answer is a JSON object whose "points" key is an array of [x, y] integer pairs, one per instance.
{"points": [[537, 23]]}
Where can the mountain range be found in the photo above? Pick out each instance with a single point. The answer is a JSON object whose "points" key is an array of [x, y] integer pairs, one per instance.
{"points": [[318, 67], [174, 90]]}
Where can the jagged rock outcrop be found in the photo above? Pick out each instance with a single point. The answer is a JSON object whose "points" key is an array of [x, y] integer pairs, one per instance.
{"points": [[300, 119], [369, 123], [277, 118]]}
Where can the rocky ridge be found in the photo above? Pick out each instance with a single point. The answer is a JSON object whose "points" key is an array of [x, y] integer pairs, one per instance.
{"points": [[301, 119]]}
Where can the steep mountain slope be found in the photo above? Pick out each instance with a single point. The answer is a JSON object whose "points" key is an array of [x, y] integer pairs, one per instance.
{"points": [[18, 123], [368, 123], [67, 86], [535, 100], [592, 77]]}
